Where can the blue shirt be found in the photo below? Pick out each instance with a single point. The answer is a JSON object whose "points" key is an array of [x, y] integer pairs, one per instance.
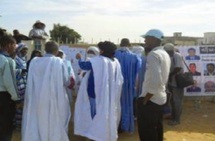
{"points": [[192, 57]]}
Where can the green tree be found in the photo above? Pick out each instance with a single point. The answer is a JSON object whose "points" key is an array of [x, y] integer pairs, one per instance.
{"points": [[64, 34]]}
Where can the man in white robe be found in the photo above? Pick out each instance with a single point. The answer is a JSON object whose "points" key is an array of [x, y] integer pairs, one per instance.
{"points": [[108, 84], [46, 112]]}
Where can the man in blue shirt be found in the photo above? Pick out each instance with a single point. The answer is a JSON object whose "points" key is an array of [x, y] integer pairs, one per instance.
{"points": [[130, 65]]}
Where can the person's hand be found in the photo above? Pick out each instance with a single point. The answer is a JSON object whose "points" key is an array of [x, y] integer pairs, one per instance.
{"points": [[83, 74], [78, 56], [19, 105]]}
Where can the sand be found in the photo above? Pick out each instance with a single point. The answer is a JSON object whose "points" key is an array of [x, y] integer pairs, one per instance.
{"points": [[197, 124]]}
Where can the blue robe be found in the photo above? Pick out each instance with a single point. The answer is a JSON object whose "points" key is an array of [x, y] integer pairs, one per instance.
{"points": [[130, 65], [141, 74]]}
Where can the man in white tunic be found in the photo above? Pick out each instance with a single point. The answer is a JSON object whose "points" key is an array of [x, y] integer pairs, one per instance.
{"points": [[103, 125], [46, 108]]}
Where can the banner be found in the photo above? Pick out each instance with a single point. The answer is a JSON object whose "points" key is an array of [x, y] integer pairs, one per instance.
{"points": [[201, 62]]}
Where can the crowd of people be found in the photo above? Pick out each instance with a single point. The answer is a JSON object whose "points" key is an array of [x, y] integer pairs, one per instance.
{"points": [[119, 85]]}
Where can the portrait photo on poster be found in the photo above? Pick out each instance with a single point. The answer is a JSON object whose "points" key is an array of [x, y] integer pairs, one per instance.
{"points": [[209, 69], [195, 68], [209, 85], [192, 54], [195, 87]]}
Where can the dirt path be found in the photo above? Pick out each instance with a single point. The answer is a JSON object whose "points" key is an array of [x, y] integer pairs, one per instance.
{"points": [[196, 125]]}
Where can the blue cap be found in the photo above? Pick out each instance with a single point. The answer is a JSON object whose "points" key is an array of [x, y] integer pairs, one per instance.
{"points": [[154, 33]]}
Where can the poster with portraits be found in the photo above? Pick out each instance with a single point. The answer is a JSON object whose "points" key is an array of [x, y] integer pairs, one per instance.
{"points": [[201, 62]]}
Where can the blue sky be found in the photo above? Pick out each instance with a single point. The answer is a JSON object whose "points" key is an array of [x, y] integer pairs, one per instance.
{"points": [[111, 19]]}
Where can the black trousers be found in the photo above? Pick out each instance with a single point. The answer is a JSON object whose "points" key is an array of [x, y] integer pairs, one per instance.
{"points": [[149, 121], [7, 112]]}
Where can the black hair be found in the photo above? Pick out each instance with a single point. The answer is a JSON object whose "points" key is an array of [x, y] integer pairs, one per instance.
{"points": [[34, 52], [125, 42], [192, 64], [6, 40], [60, 53], [1, 33], [51, 47], [191, 49], [15, 31], [108, 49], [210, 64]]}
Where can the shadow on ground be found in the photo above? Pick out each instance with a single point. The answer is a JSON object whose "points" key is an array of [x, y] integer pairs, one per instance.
{"points": [[196, 125]]}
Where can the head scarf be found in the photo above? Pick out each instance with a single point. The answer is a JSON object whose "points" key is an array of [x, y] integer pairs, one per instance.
{"points": [[94, 49]]}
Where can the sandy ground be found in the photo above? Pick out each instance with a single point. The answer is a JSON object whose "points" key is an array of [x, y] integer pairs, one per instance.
{"points": [[197, 124]]}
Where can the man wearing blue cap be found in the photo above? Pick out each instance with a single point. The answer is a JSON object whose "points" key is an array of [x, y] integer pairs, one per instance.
{"points": [[153, 97]]}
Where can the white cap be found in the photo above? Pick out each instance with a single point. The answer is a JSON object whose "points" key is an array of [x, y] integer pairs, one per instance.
{"points": [[154, 33]]}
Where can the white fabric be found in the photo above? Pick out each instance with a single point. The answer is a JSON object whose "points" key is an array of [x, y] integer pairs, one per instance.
{"points": [[108, 85], [94, 49], [71, 75], [138, 50], [46, 109], [156, 76], [69, 65]]}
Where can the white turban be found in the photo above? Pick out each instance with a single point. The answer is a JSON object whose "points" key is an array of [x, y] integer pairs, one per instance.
{"points": [[94, 49]]}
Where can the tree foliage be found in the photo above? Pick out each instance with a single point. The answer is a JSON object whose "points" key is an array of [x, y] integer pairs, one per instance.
{"points": [[64, 34]]}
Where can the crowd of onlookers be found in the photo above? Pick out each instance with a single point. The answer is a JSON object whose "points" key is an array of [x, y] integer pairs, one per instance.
{"points": [[118, 86]]}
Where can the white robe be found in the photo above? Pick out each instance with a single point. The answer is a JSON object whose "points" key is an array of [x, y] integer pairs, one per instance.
{"points": [[108, 84], [46, 108]]}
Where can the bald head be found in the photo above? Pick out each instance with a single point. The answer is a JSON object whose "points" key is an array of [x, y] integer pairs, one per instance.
{"points": [[169, 47]]}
